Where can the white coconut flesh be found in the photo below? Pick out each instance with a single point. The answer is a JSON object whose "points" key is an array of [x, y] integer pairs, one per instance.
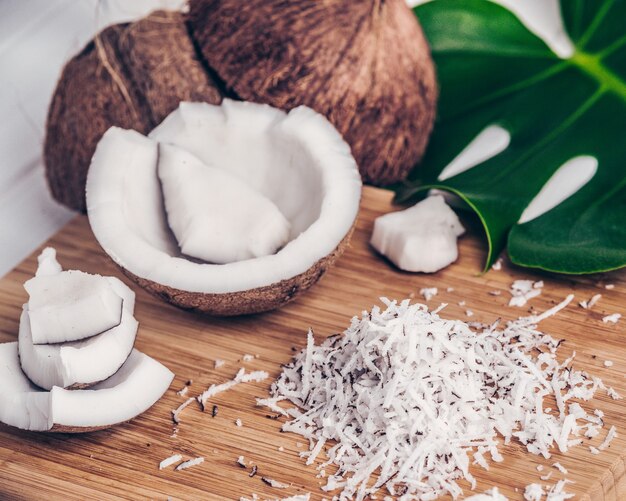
{"points": [[132, 390], [422, 238], [214, 215], [79, 363], [297, 160], [70, 306]]}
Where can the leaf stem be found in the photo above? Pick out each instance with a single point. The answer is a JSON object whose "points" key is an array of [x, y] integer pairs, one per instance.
{"points": [[592, 65]]}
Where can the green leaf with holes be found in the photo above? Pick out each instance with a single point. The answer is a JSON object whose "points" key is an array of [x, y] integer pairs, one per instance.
{"points": [[493, 71]]}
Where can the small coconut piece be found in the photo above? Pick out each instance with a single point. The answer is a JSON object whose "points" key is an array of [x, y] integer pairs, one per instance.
{"points": [[364, 65], [189, 463], [297, 160], [215, 216], [70, 306], [422, 238], [130, 75], [170, 461], [77, 364], [133, 389]]}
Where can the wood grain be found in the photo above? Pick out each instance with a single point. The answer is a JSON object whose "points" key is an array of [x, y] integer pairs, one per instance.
{"points": [[122, 463]]}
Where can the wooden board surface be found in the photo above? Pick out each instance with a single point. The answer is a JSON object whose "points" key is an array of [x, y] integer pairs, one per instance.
{"points": [[122, 463]]}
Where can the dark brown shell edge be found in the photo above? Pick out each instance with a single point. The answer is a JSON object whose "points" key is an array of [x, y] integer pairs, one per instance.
{"points": [[247, 302], [125, 78], [365, 65]]}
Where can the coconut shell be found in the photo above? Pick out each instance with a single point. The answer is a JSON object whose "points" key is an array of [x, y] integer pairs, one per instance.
{"points": [[130, 75], [256, 300], [364, 64]]}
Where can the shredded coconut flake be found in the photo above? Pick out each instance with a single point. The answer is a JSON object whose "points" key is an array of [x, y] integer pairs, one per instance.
{"points": [[170, 461], [240, 377], [587, 305], [176, 412], [248, 358], [546, 476], [613, 394], [428, 292], [219, 363], [491, 495], [497, 266], [469, 313], [608, 363], [613, 318], [409, 396], [274, 483], [609, 286], [609, 438], [523, 290], [190, 463], [183, 391], [238, 422], [560, 467], [533, 492]]}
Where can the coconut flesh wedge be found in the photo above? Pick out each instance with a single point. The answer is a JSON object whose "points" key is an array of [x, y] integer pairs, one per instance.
{"points": [[215, 216], [296, 160], [70, 306], [77, 364], [139, 383]]}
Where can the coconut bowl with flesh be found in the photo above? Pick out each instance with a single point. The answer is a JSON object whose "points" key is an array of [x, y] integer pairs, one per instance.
{"points": [[296, 161]]}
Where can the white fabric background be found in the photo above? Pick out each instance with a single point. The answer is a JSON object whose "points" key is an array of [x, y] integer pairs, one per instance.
{"points": [[36, 37]]}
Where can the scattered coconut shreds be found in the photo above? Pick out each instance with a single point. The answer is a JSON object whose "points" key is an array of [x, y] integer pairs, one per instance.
{"points": [[469, 313], [594, 450], [495, 293], [176, 412], [613, 318], [533, 492], [612, 433], [428, 292], [219, 363], [409, 395], [450, 289], [587, 305], [190, 463], [539, 467], [241, 462], [546, 476], [238, 422], [608, 363], [613, 394], [497, 266], [275, 483], [170, 461], [523, 290], [491, 495], [560, 467], [248, 358], [609, 286], [240, 377], [556, 492], [183, 391]]}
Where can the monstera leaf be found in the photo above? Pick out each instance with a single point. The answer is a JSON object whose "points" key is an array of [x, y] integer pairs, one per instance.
{"points": [[493, 71]]}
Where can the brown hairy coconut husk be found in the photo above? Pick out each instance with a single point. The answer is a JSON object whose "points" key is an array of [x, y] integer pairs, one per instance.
{"points": [[365, 64], [130, 75]]}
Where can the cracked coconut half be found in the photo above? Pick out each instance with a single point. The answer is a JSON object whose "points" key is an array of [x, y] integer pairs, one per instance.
{"points": [[227, 209]]}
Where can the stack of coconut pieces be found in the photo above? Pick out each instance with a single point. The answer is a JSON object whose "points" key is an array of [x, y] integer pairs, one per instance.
{"points": [[73, 368]]}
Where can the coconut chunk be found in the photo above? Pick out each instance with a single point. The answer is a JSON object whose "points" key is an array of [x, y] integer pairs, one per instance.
{"points": [[215, 216], [170, 461], [134, 388], [422, 238], [70, 306], [77, 364]]}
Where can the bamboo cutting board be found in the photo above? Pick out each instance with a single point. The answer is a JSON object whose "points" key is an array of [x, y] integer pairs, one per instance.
{"points": [[122, 463]]}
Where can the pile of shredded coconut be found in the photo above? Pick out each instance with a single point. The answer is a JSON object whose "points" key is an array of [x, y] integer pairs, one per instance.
{"points": [[410, 400]]}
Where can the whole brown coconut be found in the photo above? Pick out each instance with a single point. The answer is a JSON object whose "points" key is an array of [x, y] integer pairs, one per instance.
{"points": [[130, 75], [365, 64]]}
